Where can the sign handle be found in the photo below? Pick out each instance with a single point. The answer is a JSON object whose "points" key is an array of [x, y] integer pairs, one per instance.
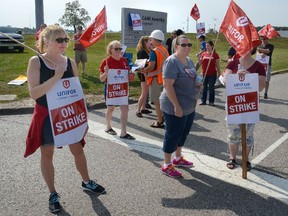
{"points": [[244, 155]]}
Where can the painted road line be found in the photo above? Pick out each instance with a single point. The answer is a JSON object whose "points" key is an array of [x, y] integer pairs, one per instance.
{"points": [[256, 181], [269, 150]]}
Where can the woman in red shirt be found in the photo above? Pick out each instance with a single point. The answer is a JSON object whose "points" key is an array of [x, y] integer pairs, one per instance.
{"points": [[210, 70]]}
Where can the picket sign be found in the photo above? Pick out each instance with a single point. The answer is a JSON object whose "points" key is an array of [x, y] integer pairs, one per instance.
{"points": [[67, 112], [242, 92], [117, 90]]}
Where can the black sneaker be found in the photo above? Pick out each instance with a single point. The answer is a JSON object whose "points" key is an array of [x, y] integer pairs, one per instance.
{"points": [[265, 96], [92, 186], [54, 204]]}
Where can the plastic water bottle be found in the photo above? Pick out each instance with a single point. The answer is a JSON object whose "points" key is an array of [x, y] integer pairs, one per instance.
{"points": [[199, 79]]}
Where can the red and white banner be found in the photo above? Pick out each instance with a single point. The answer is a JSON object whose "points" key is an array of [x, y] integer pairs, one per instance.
{"points": [[195, 13], [269, 32], [67, 111], [117, 87], [136, 22], [200, 29], [242, 98], [264, 59], [95, 31], [239, 30]]}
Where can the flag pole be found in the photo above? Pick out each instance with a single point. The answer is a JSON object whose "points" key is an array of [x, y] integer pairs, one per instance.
{"points": [[244, 154], [26, 46], [197, 38]]}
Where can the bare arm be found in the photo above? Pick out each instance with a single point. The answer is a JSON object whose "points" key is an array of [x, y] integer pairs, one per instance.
{"points": [[263, 51], [103, 76], [262, 83], [37, 90], [226, 72], [168, 85]]}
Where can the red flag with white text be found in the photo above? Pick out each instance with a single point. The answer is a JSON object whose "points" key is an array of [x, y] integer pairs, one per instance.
{"points": [[239, 30], [95, 31], [269, 32], [195, 12]]}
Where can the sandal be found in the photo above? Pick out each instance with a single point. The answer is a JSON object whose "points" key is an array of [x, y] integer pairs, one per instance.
{"points": [[146, 111], [127, 136], [111, 131], [231, 164], [249, 166], [157, 124], [139, 114]]}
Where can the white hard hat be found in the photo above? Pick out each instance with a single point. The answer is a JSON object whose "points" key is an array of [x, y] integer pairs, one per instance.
{"points": [[158, 35]]}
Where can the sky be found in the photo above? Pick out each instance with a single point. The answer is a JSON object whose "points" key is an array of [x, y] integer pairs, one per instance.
{"points": [[260, 12]]}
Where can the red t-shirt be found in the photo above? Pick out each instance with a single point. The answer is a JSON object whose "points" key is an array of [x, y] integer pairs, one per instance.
{"points": [[79, 46], [212, 70], [257, 67], [114, 64]]}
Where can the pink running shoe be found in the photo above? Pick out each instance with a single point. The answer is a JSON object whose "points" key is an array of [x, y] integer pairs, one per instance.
{"points": [[182, 163], [171, 171]]}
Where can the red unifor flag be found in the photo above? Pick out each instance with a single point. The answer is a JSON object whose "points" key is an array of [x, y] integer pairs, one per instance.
{"points": [[95, 31], [195, 13], [239, 30], [269, 32]]}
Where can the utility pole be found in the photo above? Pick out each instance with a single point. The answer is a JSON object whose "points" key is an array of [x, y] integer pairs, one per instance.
{"points": [[39, 13], [215, 19], [187, 24]]}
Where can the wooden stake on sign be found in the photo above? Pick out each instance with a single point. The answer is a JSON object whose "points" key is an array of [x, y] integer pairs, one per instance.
{"points": [[244, 155]]}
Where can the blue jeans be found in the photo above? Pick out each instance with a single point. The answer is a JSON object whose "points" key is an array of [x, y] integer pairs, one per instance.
{"points": [[176, 131], [208, 84]]}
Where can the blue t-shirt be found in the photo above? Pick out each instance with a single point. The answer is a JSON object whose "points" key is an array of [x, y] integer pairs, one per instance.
{"points": [[184, 85]]}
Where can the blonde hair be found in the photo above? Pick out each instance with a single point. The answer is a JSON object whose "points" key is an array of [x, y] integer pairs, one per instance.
{"points": [[50, 33], [111, 45]]}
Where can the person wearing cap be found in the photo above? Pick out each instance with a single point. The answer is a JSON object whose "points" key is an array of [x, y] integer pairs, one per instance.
{"points": [[154, 73], [266, 49], [178, 33], [79, 49], [169, 41]]}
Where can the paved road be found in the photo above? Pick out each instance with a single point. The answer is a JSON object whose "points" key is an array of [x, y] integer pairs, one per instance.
{"points": [[131, 170]]}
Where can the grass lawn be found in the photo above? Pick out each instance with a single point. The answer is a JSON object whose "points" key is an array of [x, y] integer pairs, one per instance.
{"points": [[13, 64]]}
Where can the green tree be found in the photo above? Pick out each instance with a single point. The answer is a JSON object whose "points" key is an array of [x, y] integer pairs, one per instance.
{"points": [[74, 15]]}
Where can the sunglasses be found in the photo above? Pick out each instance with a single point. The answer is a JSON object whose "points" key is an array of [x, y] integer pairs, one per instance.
{"points": [[61, 40], [118, 49], [184, 45]]}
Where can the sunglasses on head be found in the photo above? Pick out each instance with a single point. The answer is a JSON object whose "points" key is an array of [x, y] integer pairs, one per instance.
{"points": [[184, 45], [62, 40], [118, 49]]}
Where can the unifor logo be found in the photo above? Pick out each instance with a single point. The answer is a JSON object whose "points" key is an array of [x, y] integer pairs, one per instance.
{"points": [[242, 21], [241, 77], [66, 84], [118, 72]]}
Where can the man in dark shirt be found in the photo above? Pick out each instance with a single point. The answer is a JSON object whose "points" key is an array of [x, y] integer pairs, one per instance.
{"points": [[266, 49]]}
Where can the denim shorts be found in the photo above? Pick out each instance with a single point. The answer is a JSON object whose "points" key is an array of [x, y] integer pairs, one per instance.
{"points": [[176, 131], [234, 134]]}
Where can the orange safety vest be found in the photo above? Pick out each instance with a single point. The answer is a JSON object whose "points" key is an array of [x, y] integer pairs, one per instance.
{"points": [[161, 55]]}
